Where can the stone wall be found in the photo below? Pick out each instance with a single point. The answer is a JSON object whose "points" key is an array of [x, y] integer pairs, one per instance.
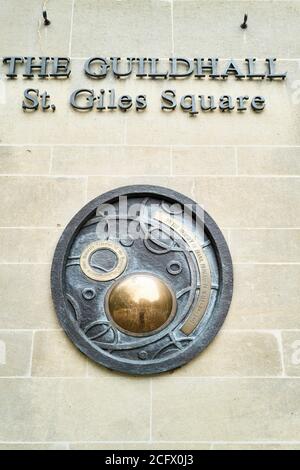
{"points": [[244, 390]]}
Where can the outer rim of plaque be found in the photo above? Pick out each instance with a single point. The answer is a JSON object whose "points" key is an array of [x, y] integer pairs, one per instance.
{"points": [[74, 333]]}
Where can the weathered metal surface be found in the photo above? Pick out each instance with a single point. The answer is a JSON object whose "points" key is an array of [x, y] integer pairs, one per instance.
{"points": [[142, 284]]}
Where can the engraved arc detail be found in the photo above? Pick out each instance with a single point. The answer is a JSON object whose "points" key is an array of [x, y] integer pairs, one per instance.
{"points": [[199, 271], [88, 252], [199, 309]]}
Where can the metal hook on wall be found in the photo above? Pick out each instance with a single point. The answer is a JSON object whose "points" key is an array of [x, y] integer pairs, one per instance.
{"points": [[244, 24], [45, 16]]}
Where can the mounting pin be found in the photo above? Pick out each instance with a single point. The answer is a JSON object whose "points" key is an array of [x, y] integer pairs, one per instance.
{"points": [[46, 21], [244, 24]]}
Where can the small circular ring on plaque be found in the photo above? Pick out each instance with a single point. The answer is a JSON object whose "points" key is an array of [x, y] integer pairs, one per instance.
{"points": [[91, 249], [88, 293], [127, 241], [174, 267]]}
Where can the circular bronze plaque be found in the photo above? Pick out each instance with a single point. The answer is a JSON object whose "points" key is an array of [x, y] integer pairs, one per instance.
{"points": [[142, 279]]}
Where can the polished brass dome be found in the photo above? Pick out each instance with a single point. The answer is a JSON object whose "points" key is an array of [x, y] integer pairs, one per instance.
{"points": [[140, 303]]}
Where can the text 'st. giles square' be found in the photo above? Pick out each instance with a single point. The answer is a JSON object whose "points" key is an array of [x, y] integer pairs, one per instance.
{"points": [[150, 225]]}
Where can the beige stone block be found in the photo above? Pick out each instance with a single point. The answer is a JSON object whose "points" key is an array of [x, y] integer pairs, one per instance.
{"points": [[278, 124], [203, 161], [250, 202], [23, 30], [291, 352], [35, 446], [150, 21], [24, 160], [77, 128], [64, 127], [178, 128], [74, 410], [265, 246], [236, 354], [140, 446], [95, 370], [225, 198], [15, 353], [39, 201], [99, 184], [54, 355], [258, 446], [25, 297], [268, 161], [226, 409], [213, 26], [27, 245], [99, 371], [111, 160], [265, 296]]}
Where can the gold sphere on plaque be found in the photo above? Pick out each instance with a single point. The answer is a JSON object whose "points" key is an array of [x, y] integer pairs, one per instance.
{"points": [[140, 304]]}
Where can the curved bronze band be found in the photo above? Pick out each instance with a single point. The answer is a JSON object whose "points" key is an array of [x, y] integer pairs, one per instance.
{"points": [[90, 249], [199, 309]]}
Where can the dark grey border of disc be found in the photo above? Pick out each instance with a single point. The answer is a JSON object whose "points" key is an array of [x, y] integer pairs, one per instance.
{"points": [[210, 329]]}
